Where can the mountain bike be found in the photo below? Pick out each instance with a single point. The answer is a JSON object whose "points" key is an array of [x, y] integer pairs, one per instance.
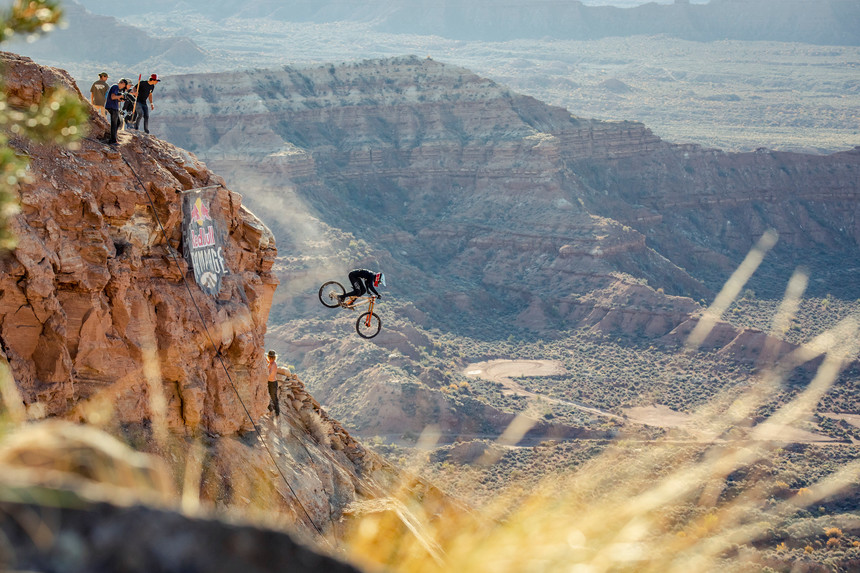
{"points": [[368, 324]]}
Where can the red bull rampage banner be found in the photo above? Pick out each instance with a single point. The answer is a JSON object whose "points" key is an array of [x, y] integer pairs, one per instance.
{"points": [[203, 245]]}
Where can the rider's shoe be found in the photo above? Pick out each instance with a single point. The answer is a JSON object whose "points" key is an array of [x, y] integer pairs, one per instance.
{"points": [[348, 302]]}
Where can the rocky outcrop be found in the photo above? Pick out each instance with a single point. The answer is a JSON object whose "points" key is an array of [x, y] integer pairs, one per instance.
{"points": [[297, 402], [104, 507], [94, 301], [95, 539]]}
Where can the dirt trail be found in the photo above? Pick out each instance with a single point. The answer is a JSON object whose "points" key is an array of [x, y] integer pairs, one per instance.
{"points": [[503, 371]]}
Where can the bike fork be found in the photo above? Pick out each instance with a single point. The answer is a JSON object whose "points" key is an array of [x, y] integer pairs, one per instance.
{"points": [[369, 314]]}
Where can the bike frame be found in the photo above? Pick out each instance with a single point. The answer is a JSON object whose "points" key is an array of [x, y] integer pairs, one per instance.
{"points": [[365, 301], [367, 324]]}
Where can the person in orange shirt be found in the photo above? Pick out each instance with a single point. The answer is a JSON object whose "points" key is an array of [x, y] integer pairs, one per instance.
{"points": [[271, 359]]}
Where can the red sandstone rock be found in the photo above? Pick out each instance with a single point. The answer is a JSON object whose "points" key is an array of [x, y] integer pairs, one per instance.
{"points": [[93, 286]]}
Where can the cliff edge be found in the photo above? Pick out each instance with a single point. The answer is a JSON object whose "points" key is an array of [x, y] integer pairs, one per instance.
{"points": [[94, 285]]}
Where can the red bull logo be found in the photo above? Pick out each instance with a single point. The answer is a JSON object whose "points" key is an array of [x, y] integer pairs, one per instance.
{"points": [[200, 212], [203, 244], [202, 239]]}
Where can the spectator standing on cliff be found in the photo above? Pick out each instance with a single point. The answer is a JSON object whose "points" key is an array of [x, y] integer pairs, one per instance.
{"points": [[143, 92], [272, 365], [112, 104], [98, 93]]}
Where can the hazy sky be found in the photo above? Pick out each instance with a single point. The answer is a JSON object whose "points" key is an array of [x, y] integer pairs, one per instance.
{"points": [[628, 3]]}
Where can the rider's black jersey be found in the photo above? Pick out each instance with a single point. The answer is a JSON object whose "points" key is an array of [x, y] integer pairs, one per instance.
{"points": [[359, 276]]}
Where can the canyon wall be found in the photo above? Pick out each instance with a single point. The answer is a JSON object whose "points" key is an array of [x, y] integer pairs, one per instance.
{"points": [[94, 294], [456, 176], [492, 214]]}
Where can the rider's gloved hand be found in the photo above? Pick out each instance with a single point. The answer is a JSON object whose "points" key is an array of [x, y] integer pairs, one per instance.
{"points": [[379, 296]]}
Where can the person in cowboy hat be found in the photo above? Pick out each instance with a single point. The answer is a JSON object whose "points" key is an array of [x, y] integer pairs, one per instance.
{"points": [[144, 101], [272, 365]]}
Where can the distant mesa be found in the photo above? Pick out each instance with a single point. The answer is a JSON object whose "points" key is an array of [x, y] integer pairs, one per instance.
{"points": [[505, 186], [184, 52], [723, 97], [825, 22], [92, 42], [615, 85]]}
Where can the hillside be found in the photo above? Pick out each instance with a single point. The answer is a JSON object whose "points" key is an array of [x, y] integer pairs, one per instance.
{"points": [[506, 226]]}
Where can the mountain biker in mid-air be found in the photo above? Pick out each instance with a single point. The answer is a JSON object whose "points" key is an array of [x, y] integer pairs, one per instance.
{"points": [[362, 281]]}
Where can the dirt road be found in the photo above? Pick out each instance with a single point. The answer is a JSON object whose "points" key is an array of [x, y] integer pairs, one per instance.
{"points": [[504, 371]]}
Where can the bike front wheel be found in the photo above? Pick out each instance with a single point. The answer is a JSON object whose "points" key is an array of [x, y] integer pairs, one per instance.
{"points": [[368, 325], [329, 293]]}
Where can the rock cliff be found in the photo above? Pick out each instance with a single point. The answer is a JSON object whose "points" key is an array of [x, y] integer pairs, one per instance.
{"points": [[701, 207], [94, 285]]}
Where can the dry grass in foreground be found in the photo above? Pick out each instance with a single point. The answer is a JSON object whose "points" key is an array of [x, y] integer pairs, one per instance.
{"points": [[668, 505], [664, 506]]}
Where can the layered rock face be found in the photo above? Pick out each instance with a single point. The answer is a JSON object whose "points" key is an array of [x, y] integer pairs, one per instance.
{"points": [[488, 195], [455, 176], [702, 208], [92, 300]]}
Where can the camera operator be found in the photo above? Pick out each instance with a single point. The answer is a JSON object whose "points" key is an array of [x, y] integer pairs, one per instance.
{"points": [[116, 95], [127, 111]]}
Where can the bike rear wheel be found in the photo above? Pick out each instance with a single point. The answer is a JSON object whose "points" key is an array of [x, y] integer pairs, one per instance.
{"points": [[329, 293], [368, 325]]}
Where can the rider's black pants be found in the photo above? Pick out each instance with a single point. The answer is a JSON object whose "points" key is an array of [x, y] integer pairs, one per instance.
{"points": [[359, 285]]}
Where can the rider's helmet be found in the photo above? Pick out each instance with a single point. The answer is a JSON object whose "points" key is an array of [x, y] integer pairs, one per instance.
{"points": [[379, 279]]}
